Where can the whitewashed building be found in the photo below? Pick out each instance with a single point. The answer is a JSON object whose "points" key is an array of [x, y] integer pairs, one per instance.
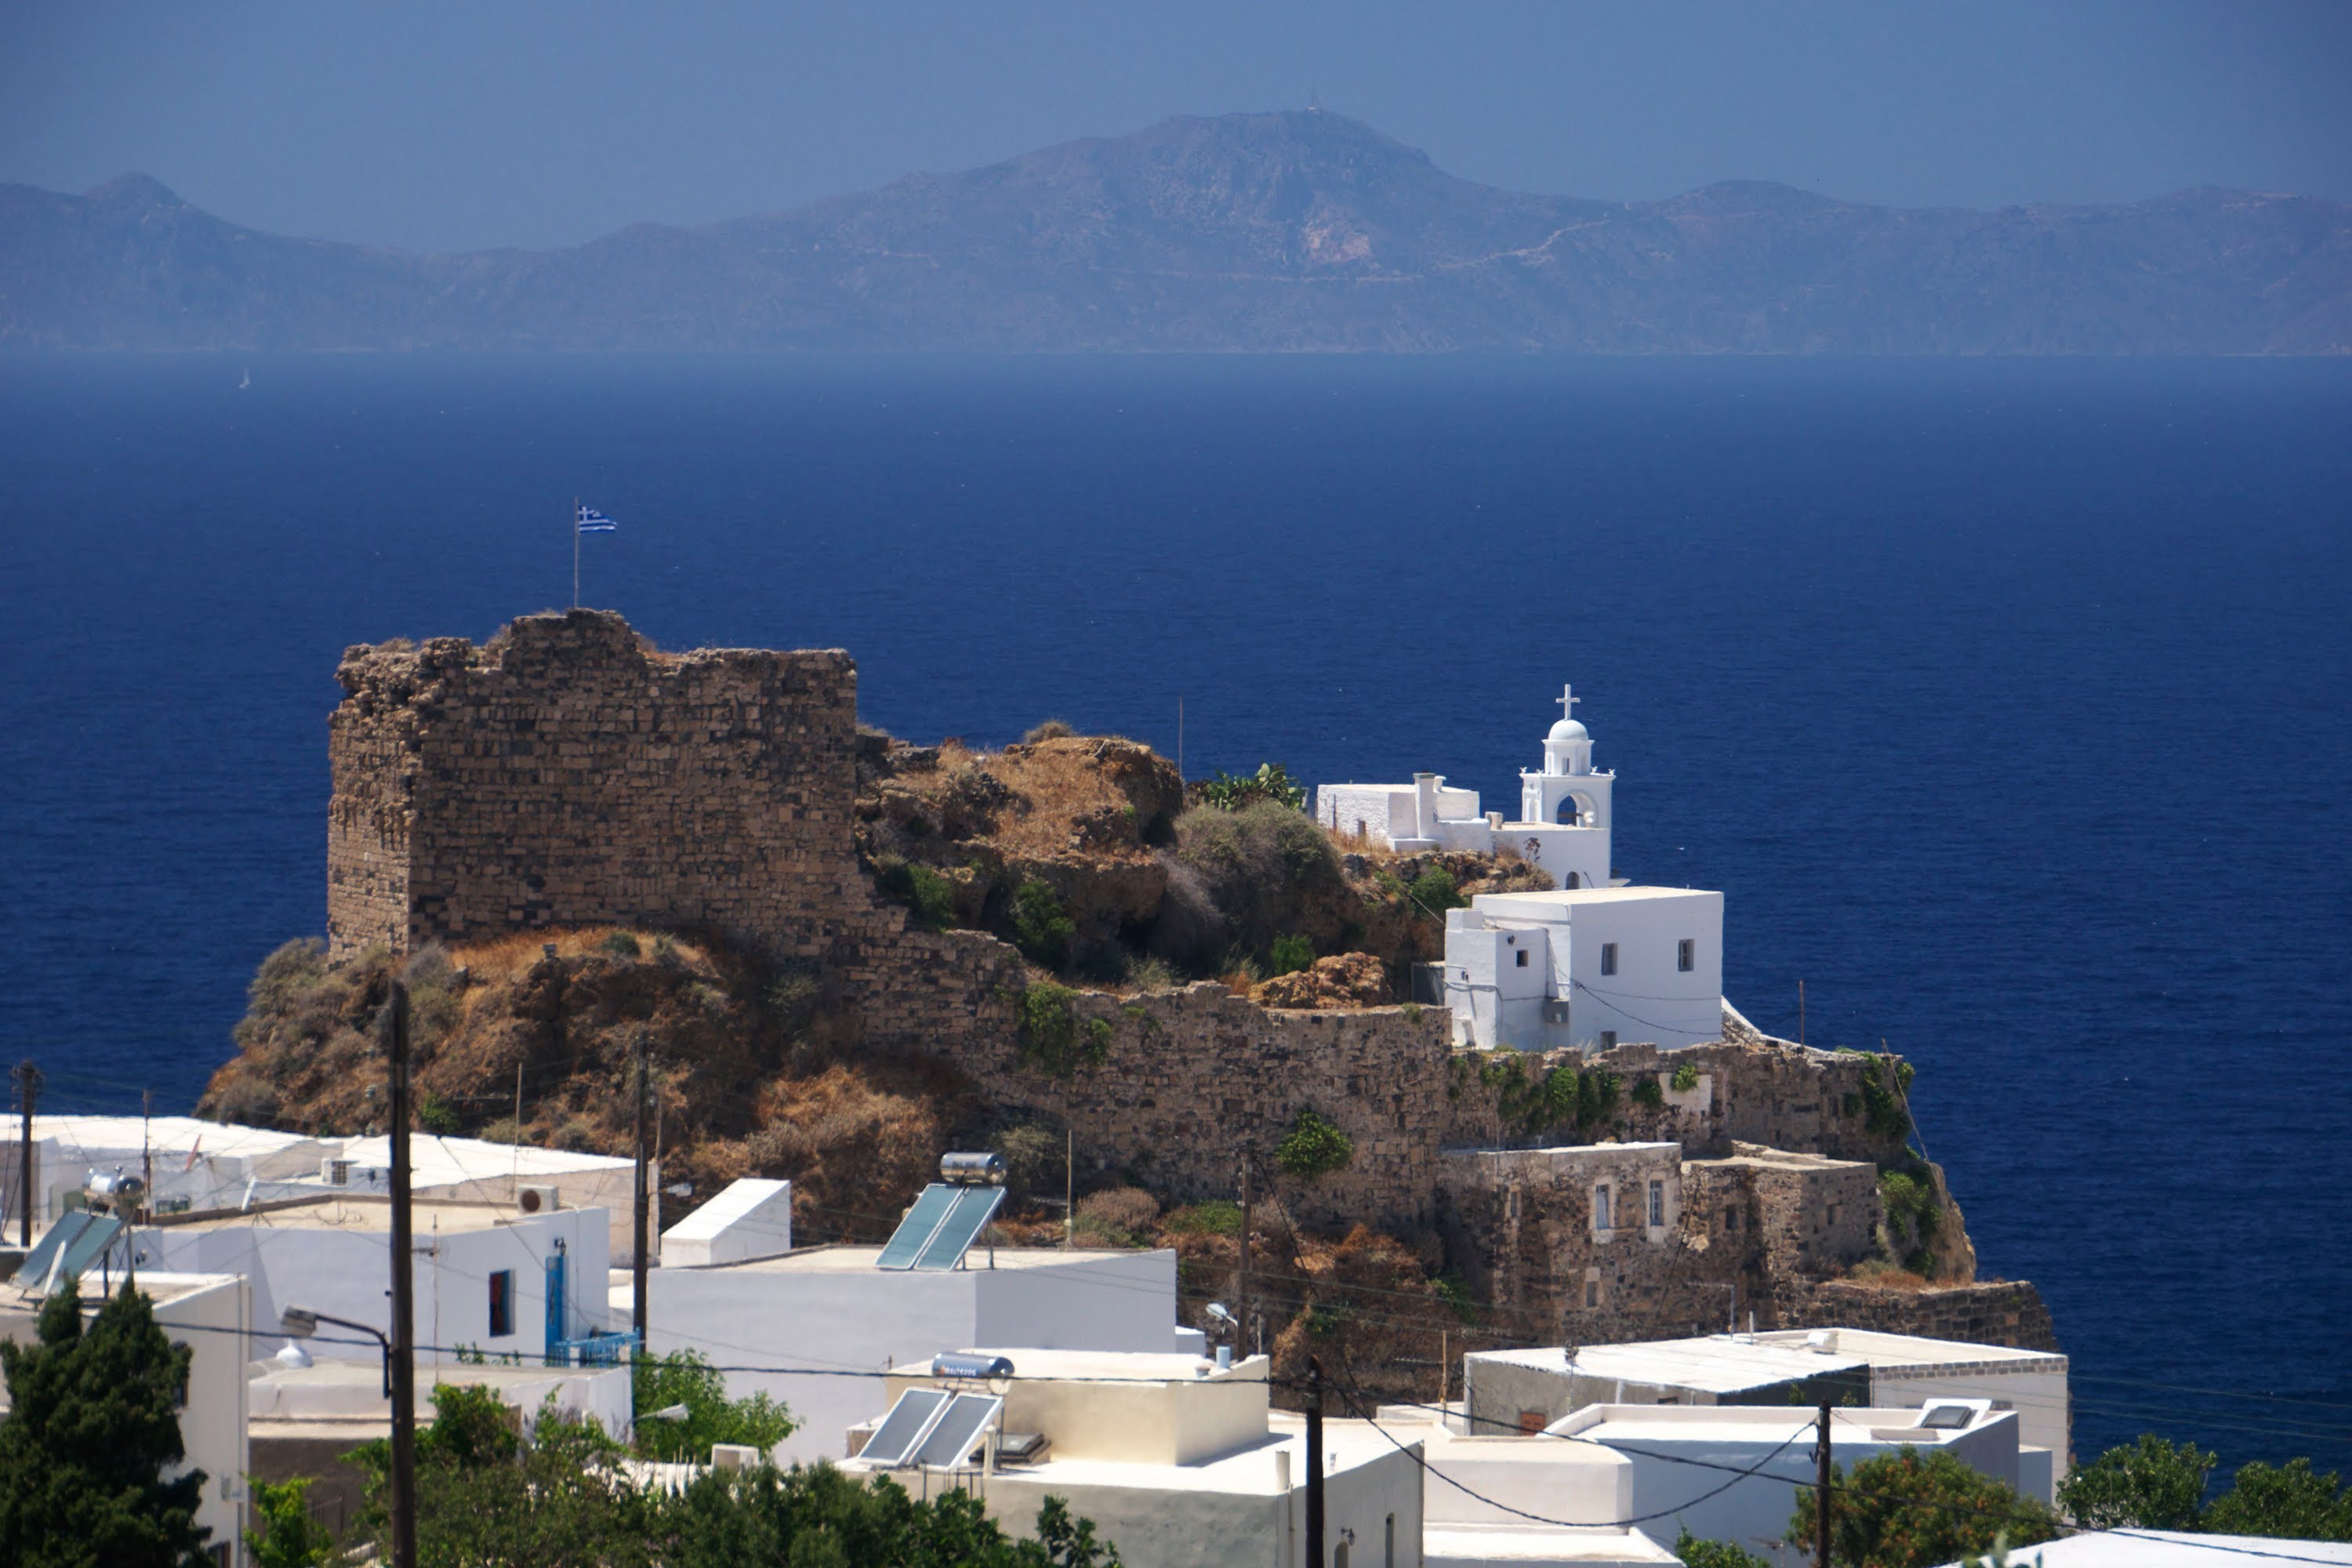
{"points": [[1670, 1447], [1586, 967], [211, 1314], [815, 1328], [1563, 824], [488, 1277], [1178, 1463]]}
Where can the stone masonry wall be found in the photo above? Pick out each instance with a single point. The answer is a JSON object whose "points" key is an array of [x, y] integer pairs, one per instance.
{"points": [[563, 776]]}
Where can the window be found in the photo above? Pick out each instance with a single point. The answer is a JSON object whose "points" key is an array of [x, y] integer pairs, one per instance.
{"points": [[1687, 955], [502, 1303], [1388, 1551], [1607, 1039], [1531, 1423], [1608, 958], [1600, 1206], [1657, 1203], [1522, 956], [1592, 1293]]}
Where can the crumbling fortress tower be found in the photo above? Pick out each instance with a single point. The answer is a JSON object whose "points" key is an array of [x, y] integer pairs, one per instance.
{"points": [[565, 774]]}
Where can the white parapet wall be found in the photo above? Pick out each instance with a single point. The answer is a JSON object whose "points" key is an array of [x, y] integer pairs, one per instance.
{"points": [[752, 1218]]}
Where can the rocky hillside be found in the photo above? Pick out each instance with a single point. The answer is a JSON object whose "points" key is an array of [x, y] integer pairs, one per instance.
{"points": [[1286, 232]]}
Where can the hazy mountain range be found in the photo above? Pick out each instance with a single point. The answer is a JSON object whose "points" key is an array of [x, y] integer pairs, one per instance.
{"points": [[1301, 231]]}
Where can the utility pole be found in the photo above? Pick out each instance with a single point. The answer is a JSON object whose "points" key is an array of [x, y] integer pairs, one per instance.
{"points": [[1070, 1183], [1314, 1463], [1800, 1011], [637, 1274], [28, 1090], [1242, 1290], [404, 1294], [146, 1152], [1821, 1491]]}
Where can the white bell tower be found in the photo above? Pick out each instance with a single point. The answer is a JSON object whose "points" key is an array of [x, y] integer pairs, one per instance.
{"points": [[1567, 792]]}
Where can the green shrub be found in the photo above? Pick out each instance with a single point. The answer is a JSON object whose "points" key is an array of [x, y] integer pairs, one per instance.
{"points": [[438, 1116], [928, 895], [1243, 878], [620, 945], [1685, 1079], [1040, 929], [1313, 1148], [1455, 1291], [2290, 1501], [1648, 1093], [1697, 1554], [1215, 1217], [1882, 1110], [1053, 1038], [2150, 1485], [1291, 954], [1911, 1509], [685, 1377], [1434, 892], [1270, 783], [1596, 1097], [1036, 1162]]}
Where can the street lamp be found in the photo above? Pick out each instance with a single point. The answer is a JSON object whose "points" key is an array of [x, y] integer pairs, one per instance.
{"points": [[300, 1322], [666, 1413]]}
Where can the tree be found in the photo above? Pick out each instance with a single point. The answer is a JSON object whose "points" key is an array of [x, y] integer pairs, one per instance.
{"points": [[821, 1518], [1915, 1509], [685, 1377], [485, 1495], [94, 1423], [2151, 1485], [1697, 1554], [288, 1536], [2291, 1501]]}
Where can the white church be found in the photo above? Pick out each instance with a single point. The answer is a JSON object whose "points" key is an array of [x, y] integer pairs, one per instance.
{"points": [[1595, 960]]}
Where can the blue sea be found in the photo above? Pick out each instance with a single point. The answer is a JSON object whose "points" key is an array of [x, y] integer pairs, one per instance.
{"points": [[2006, 700]]}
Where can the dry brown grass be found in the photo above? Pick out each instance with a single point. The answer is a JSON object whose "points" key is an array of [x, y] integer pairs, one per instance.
{"points": [[1059, 784], [504, 957], [1880, 1275]]}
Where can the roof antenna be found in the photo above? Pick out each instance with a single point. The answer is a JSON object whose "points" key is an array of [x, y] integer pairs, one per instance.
{"points": [[1314, 99]]}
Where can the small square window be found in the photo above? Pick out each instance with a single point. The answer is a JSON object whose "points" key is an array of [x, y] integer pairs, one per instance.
{"points": [[501, 1303], [1608, 958], [1523, 958], [1607, 1039], [1687, 955]]}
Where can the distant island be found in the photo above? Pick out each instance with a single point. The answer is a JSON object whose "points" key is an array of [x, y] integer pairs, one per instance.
{"points": [[1297, 232]]}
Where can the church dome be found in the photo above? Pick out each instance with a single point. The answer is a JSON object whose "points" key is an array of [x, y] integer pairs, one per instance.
{"points": [[1567, 730]]}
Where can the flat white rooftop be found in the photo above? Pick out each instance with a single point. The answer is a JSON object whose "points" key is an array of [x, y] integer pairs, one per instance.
{"points": [[861, 1260], [1729, 1424], [1712, 1365], [2169, 1549], [1032, 1366], [436, 1160], [1446, 1545], [358, 1213], [1912, 1352], [1559, 901], [177, 1134]]}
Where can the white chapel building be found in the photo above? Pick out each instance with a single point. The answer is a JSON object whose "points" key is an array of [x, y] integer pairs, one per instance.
{"points": [[1591, 964]]}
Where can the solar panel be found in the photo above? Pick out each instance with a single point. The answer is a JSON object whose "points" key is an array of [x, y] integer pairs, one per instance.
{"points": [[34, 1271], [957, 1431], [973, 1208], [83, 1250], [909, 1422], [905, 1243]]}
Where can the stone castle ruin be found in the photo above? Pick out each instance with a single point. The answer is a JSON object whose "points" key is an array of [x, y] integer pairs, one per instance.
{"points": [[565, 774]]}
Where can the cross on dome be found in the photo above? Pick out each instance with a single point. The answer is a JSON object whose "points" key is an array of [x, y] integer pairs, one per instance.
{"points": [[1567, 699]]}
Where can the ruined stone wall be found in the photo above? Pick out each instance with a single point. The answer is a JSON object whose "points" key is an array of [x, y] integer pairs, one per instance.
{"points": [[1752, 1089], [1987, 1313], [1192, 1078], [563, 776]]}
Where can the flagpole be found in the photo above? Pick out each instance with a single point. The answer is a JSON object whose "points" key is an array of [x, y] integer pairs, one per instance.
{"points": [[575, 552]]}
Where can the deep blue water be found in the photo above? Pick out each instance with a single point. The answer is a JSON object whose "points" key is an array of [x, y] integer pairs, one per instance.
{"points": [[2006, 700]]}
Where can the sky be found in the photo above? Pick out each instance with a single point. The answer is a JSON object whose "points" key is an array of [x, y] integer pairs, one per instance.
{"points": [[435, 126]]}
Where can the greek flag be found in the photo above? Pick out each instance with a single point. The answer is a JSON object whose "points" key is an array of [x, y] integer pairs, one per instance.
{"points": [[593, 521]]}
